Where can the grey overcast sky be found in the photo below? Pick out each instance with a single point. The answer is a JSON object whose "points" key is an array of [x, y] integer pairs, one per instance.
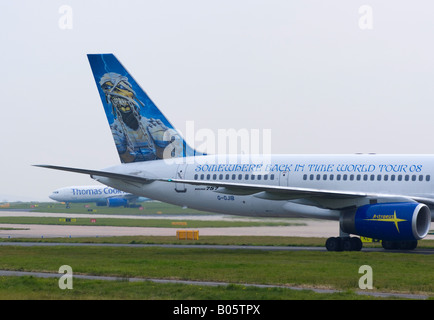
{"points": [[336, 76]]}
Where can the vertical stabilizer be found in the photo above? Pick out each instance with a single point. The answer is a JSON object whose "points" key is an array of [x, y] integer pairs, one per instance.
{"points": [[140, 131]]}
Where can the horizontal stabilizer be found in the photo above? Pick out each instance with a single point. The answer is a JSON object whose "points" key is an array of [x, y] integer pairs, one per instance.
{"points": [[99, 173]]}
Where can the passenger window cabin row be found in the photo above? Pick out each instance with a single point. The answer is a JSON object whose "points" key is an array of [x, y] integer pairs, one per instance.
{"points": [[368, 177], [234, 176], [324, 177]]}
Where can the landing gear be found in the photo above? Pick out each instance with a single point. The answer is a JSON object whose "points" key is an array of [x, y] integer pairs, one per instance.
{"points": [[399, 245], [355, 244], [344, 244]]}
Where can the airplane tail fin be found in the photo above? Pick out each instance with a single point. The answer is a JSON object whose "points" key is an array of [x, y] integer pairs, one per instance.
{"points": [[140, 131]]}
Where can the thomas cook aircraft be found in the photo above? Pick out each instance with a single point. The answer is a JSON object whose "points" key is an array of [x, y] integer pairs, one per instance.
{"points": [[101, 195], [386, 197]]}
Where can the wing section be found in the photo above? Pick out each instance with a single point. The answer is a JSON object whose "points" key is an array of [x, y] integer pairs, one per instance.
{"points": [[99, 173], [246, 188], [322, 198]]}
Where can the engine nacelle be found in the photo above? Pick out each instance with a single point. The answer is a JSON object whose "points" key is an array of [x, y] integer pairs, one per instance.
{"points": [[117, 202], [406, 221]]}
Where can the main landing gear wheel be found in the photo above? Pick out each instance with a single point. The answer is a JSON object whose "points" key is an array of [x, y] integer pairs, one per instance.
{"points": [[344, 244], [399, 245]]}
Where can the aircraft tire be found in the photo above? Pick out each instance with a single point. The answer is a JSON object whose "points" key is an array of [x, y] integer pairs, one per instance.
{"points": [[399, 245], [408, 245], [347, 244], [344, 244], [356, 244], [334, 244]]}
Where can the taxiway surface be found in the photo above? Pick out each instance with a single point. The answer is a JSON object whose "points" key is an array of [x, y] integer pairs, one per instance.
{"points": [[310, 228]]}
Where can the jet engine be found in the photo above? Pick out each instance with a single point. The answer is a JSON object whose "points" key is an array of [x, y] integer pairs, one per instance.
{"points": [[117, 202], [403, 221]]}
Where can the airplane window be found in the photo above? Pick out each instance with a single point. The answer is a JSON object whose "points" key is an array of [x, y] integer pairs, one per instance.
{"points": [[407, 177], [413, 177], [272, 177], [234, 176], [202, 176], [214, 176], [265, 176], [221, 177], [428, 178], [392, 177], [372, 177], [305, 177], [208, 176], [359, 177], [318, 177], [379, 177], [246, 177], [386, 177], [345, 177], [227, 176], [338, 177], [400, 177], [351, 177], [259, 177], [365, 177], [252, 177], [195, 176], [331, 177], [240, 177], [324, 177], [421, 178]]}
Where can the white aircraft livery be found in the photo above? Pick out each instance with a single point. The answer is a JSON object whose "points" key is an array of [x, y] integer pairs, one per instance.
{"points": [[386, 197], [102, 195]]}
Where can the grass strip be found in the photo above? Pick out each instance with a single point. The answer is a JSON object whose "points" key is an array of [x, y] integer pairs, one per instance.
{"points": [[144, 208], [338, 270], [32, 288], [149, 223]]}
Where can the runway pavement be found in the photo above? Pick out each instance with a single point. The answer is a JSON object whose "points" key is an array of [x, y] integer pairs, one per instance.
{"points": [[311, 228]]}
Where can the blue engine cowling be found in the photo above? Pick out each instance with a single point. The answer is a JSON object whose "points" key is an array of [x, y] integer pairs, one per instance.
{"points": [[406, 221], [117, 202]]}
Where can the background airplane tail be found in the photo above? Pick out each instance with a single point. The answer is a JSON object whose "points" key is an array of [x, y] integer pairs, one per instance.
{"points": [[140, 131]]}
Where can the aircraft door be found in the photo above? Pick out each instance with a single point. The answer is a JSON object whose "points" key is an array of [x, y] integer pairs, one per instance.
{"points": [[180, 174], [283, 179]]}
